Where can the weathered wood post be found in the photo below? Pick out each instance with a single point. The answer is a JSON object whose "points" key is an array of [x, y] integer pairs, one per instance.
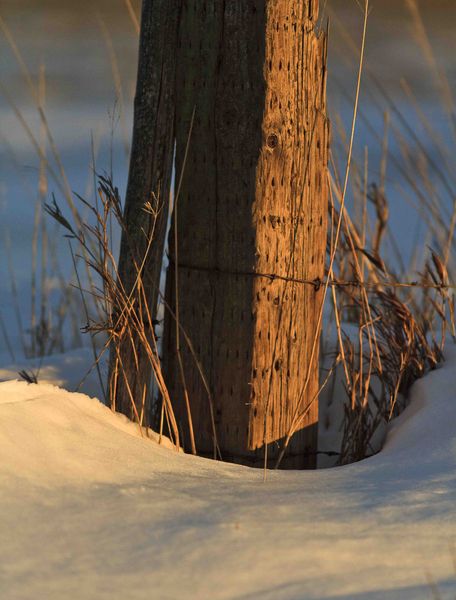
{"points": [[149, 174], [252, 223]]}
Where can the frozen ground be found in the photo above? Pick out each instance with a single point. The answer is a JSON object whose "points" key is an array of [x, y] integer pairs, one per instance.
{"points": [[89, 510]]}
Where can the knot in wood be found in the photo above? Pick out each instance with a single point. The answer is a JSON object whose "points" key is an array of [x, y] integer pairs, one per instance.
{"points": [[272, 141]]}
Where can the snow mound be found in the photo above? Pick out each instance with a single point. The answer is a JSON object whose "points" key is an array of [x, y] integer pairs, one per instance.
{"points": [[89, 509]]}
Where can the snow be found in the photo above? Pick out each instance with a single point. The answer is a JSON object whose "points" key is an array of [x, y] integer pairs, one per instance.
{"points": [[90, 510]]}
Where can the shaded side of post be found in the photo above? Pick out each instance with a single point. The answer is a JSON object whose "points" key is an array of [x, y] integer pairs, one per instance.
{"points": [[148, 181]]}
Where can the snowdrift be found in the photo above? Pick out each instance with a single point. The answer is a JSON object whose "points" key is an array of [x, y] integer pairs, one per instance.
{"points": [[89, 509]]}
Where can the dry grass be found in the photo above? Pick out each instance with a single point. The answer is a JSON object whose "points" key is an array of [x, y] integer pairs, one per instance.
{"points": [[124, 315], [401, 313], [401, 328]]}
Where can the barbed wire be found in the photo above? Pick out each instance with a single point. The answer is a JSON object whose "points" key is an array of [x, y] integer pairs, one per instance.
{"points": [[318, 282]]}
